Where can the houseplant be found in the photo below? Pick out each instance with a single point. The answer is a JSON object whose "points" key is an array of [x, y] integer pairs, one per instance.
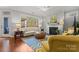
{"points": [[78, 26]]}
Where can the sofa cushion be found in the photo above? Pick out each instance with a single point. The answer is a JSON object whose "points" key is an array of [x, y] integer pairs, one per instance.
{"points": [[29, 33], [63, 43]]}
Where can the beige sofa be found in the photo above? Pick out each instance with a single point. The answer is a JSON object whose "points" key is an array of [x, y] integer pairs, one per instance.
{"points": [[29, 33]]}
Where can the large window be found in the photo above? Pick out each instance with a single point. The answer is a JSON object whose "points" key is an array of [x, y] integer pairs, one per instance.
{"points": [[29, 22], [32, 22], [23, 22]]}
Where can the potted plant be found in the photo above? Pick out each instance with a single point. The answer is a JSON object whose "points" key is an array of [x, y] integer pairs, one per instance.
{"points": [[78, 26], [58, 31]]}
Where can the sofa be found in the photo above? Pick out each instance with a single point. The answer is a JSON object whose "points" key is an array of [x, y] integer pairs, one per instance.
{"points": [[60, 43], [29, 33]]}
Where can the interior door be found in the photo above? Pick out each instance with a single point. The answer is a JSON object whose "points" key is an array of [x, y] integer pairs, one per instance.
{"points": [[6, 27]]}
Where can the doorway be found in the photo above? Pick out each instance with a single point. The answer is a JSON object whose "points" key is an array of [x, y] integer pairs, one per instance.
{"points": [[6, 27]]}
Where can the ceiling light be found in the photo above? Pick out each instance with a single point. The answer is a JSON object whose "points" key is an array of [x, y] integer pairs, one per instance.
{"points": [[44, 8]]}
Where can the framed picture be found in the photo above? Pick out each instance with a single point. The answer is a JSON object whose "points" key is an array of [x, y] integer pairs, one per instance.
{"points": [[53, 20]]}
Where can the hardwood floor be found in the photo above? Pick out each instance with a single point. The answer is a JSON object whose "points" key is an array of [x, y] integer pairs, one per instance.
{"points": [[1, 44], [19, 46], [22, 47]]}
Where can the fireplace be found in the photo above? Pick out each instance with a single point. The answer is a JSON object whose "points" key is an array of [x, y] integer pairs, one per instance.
{"points": [[52, 30]]}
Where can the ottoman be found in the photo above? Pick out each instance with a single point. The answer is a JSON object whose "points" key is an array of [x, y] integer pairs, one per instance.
{"points": [[40, 35]]}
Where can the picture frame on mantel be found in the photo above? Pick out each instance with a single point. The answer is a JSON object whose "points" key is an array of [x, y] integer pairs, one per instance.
{"points": [[53, 19]]}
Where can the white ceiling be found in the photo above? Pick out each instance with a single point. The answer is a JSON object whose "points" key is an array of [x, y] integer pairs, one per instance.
{"points": [[41, 10], [61, 9]]}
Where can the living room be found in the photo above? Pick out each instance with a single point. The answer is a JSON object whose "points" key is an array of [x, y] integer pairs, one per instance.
{"points": [[45, 28]]}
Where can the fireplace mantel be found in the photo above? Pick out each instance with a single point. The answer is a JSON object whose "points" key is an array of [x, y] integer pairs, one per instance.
{"points": [[60, 27]]}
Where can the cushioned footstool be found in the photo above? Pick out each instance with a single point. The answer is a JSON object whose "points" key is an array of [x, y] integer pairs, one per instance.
{"points": [[40, 35]]}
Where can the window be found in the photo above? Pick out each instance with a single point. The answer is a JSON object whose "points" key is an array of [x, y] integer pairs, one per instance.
{"points": [[32, 22]]}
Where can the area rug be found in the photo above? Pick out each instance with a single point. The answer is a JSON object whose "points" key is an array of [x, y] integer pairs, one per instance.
{"points": [[32, 42]]}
